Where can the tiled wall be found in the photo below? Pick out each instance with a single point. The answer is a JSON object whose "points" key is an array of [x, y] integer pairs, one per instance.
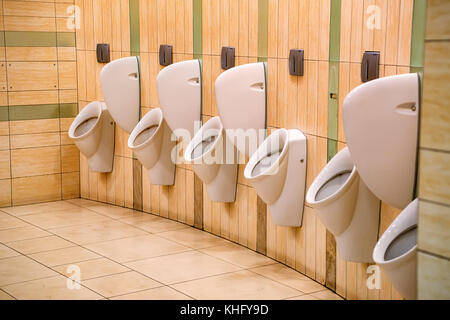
{"points": [[333, 34], [38, 100], [434, 165]]}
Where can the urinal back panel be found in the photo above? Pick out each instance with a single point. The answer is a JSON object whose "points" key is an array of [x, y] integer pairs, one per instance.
{"points": [[121, 90], [381, 129], [179, 94], [241, 100]]}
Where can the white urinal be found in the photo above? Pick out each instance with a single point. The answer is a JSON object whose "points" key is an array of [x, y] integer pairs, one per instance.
{"points": [[93, 133], [152, 144], [381, 128], [121, 91], [214, 161], [180, 96], [277, 170], [347, 208], [396, 251]]}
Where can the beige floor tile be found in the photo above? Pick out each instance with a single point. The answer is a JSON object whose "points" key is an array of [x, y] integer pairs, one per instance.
{"points": [[97, 232], [6, 252], [121, 284], [39, 208], [289, 277], [81, 202], [40, 244], [58, 219], [163, 293], [4, 296], [54, 288], [161, 225], [304, 297], [64, 256], [8, 222], [138, 220], [24, 233], [21, 269], [114, 211], [326, 295], [181, 267], [238, 255], [93, 268], [193, 238], [136, 248], [238, 286]]}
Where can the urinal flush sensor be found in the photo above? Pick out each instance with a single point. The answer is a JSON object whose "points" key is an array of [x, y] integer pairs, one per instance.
{"points": [[227, 58], [370, 66], [103, 53], [165, 55]]}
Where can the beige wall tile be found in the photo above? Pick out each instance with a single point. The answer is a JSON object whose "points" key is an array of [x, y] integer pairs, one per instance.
{"points": [[33, 97], [32, 76], [70, 185], [5, 193], [35, 140], [434, 278], [35, 161], [435, 118], [5, 165], [30, 189], [34, 126], [438, 20], [31, 54], [434, 228], [20, 23], [27, 8], [434, 176], [70, 158], [67, 75]]}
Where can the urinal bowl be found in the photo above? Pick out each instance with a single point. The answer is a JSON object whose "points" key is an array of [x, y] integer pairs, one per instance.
{"points": [[396, 251], [214, 160], [277, 170], [347, 208], [152, 144], [93, 133]]}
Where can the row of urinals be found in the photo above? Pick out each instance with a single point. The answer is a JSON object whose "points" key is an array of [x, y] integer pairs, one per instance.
{"points": [[379, 163]]}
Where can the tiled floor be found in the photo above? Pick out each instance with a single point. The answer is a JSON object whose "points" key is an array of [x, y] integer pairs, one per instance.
{"points": [[118, 253]]}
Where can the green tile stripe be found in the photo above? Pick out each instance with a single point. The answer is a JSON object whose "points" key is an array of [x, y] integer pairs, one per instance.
{"points": [[39, 39], [333, 80], [197, 28], [418, 35], [68, 110], [4, 113], [41, 111], [65, 39], [263, 30], [135, 33], [2, 38], [332, 125]]}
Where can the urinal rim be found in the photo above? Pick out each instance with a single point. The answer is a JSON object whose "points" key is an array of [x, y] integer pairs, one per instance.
{"points": [[315, 186], [81, 118], [255, 158], [391, 233], [198, 139], [141, 126]]}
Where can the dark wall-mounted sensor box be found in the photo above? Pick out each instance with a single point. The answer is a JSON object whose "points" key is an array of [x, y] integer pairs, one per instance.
{"points": [[227, 58], [296, 62], [165, 55], [370, 66], [103, 53]]}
